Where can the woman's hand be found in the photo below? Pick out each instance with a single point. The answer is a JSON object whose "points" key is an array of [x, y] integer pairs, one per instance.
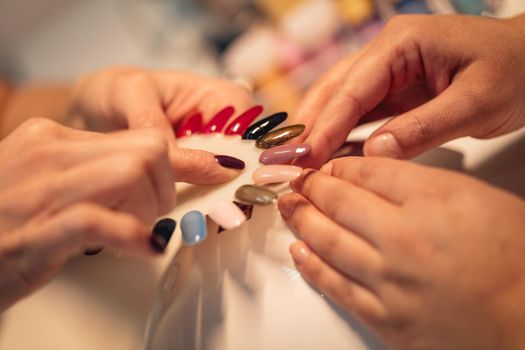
{"points": [[427, 258], [127, 97], [64, 190], [441, 77]]}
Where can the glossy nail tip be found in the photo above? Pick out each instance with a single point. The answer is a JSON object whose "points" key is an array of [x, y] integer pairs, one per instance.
{"points": [[239, 125], [226, 214], [230, 162], [255, 195], [283, 153], [217, 123], [269, 174], [161, 234], [279, 136], [193, 227], [189, 126], [263, 126]]}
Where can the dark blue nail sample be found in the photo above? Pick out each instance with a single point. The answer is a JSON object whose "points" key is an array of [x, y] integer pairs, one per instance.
{"points": [[193, 227], [161, 234], [261, 127]]}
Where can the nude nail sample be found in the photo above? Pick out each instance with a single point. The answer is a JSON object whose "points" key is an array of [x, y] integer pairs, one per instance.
{"points": [[279, 136], [226, 214], [263, 126], [284, 153], [255, 195], [193, 227], [239, 125], [161, 234], [247, 209], [269, 174], [217, 123], [190, 125]]}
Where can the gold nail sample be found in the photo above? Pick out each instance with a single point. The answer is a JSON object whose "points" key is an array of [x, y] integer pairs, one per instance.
{"points": [[279, 136], [255, 195]]}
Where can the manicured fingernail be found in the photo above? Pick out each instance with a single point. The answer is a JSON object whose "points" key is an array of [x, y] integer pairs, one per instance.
{"points": [[300, 252], [349, 149], [260, 128], [276, 137], [161, 234], [217, 123], [384, 145], [284, 153], [239, 125], [327, 168], [247, 210], [226, 214], [93, 251], [255, 195], [190, 125], [230, 162], [193, 227], [268, 174]]}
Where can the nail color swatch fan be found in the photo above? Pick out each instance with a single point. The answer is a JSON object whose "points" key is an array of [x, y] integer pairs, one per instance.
{"points": [[239, 289]]}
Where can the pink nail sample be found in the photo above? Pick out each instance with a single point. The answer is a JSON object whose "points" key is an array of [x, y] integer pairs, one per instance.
{"points": [[284, 153], [226, 214], [190, 125], [217, 123], [268, 174], [242, 122]]}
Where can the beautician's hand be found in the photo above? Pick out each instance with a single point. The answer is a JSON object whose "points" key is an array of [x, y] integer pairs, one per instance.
{"points": [[64, 190], [427, 258], [442, 77], [127, 97]]}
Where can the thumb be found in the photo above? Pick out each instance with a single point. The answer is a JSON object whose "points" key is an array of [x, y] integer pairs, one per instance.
{"points": [[201, 167]]}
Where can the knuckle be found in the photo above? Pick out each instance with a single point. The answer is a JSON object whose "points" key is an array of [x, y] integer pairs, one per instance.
{"points": [[35, 127], [421, 130]]}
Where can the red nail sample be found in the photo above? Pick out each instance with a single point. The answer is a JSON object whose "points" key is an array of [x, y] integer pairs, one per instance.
{"points": [[217, 123], [239, 125], [190, 125]]}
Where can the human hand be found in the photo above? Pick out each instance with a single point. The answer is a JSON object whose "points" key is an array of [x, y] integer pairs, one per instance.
{"points": [[64, 190], [427, 258], [127, 97], [441, 77]]}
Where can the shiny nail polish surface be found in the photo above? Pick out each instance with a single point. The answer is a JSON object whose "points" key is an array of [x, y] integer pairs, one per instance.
{"points": [[255, 195], [161, 234], [247, 209], [261, 127], [239, 125], [217, 123], [226, 214], [193, 227], [93, 251], [268, 174], [230, 162], [276, 137], [189, 126], [284, 153]]}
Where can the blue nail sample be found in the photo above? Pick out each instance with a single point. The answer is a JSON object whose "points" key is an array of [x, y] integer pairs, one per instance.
{"points": [[193, 227]]}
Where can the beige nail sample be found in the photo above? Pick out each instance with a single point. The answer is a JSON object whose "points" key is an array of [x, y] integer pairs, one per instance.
{"points": [[276, 173], [226, 214]]}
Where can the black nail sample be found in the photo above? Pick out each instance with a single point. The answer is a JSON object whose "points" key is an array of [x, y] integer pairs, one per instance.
{"points": [[230, 162], [93, 251], [161, 234], [261, 127]]}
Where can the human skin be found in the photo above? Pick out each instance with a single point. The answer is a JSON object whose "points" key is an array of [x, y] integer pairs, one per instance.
{"points": [[440, 77], [63, 191], [427, 258]]}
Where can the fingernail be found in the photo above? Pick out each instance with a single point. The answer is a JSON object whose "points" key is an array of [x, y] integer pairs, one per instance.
{"points": [[384, 145], [300, 252], [327, 168], [275, 173], [161, 234], [193, 227], [230, 162], [247, 210], [190, 125], [297, 184], [284, 153], [93, 251], [217, 123], [279, 136], [260, 128], [349, 149], [239, 125], [226, 214], [255, 195]]}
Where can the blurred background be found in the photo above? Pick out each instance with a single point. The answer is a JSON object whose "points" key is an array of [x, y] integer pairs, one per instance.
{"points": [[276, 47]]}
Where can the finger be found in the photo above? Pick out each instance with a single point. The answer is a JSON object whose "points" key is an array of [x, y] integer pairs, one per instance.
{"points": [[348, 205], [339, 247], [347, 293]]}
